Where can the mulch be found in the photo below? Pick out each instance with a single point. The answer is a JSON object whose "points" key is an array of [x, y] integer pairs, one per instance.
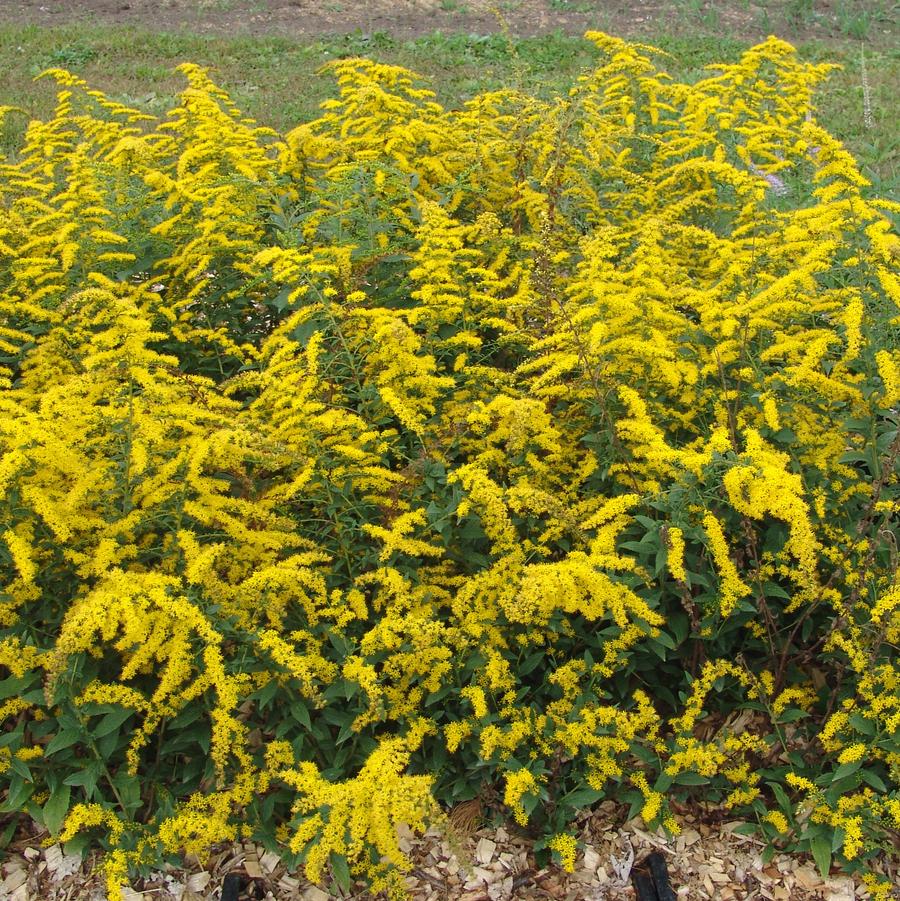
{"points": [[463, 863]]}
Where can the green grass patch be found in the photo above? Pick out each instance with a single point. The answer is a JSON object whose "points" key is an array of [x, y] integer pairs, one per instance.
{"points": [[273, 78]]}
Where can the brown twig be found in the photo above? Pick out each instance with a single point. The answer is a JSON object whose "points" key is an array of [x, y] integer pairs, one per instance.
{"points": [[529, 875]]}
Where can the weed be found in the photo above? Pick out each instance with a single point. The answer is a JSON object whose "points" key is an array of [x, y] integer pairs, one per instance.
{"points": [[700, 12], [800, 14], [71, 56], [571, 6], [854, 24]]}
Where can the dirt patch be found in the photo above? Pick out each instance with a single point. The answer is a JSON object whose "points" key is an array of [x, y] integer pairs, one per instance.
{"points": [[412, 18], [292, 18]]}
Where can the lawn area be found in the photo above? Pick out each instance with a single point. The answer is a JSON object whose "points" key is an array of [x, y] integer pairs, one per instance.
{"points": [[273, 76]]}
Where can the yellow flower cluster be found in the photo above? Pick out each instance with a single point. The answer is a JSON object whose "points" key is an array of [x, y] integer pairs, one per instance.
{"points": [[518, 784], [565, 846], [544, 443], [362, 813]]}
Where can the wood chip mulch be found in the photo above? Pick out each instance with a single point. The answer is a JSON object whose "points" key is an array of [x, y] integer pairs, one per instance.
{"points": [[462, 863]]}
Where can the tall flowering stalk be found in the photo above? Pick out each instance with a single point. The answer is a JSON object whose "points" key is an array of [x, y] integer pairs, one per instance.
{"points": [[539, 449]]}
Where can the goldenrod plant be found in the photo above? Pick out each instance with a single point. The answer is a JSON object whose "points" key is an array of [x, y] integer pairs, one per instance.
{"points": [[538, 451]]}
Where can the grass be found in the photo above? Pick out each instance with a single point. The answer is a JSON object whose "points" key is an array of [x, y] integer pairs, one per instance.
{"points": [[273, 78]]}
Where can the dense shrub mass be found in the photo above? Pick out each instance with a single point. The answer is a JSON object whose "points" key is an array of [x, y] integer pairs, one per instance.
{"points": [[541, 451]]}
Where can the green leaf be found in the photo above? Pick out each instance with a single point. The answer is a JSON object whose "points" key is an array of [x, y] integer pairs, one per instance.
{"points": [[791, 716], [35, 697], [336, 717], [92, 708], [280, 301], [691, 779], [111, 722], [189, 715], [529, 802], [106, 745], [820, 845], [862, 724], [846, 769], [341, 872], [659, 564], [632, 545], [438, 695], [204, 740], [303, 332], [340, 643], [874, 780], [7, 835], [13, 687], [838, 836], [582, 797], [64, 739], [663, 783], [780, 795], [645, 755], [680, 626], [86, 778], [772, 590], [17, 795], [56, 808], [345, 733], [785, 436], [338, 690], [77, 844], [530, 663], [129, 788], [20, 767], [637, 803], [665, 639], [265, 695]]}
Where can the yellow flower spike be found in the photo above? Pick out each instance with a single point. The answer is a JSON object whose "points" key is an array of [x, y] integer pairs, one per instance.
{"points": [[778, 820], [675, 559], [732, 587]]}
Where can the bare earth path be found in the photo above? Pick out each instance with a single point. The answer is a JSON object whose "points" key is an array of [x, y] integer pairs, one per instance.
{"points": [[751, 19]]}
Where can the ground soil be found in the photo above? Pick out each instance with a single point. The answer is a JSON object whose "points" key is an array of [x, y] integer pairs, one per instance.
{"points": [[411, 18]]}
